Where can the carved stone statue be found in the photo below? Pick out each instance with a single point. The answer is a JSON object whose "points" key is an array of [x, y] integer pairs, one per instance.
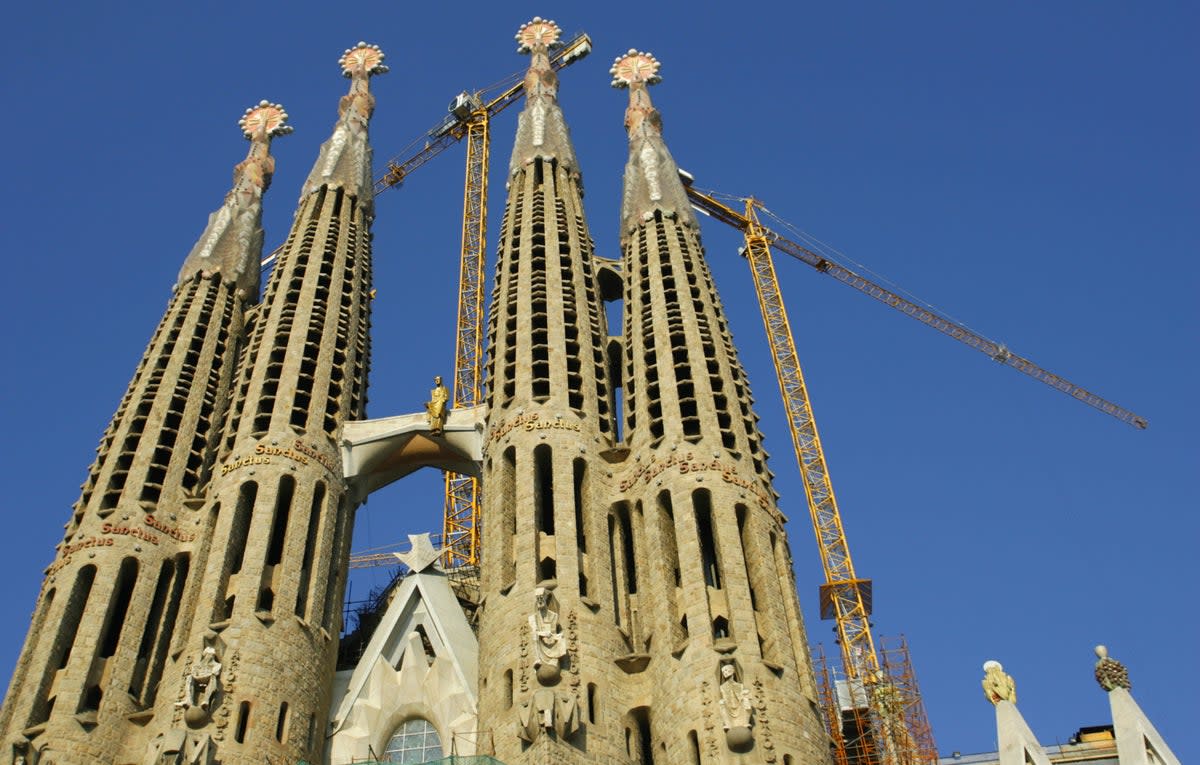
{"points": [[549, 644], [737, 713], [436, 406], [202, 684], [997, 684], [1110, 673]]}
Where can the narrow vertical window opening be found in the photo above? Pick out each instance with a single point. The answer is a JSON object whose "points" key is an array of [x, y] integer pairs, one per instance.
{"points": [[544, 488], [119, 607], [310, 543], [281, 723], [243, 722], [702, 502]]}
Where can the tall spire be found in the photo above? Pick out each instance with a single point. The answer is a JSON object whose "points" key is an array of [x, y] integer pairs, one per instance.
{"points": [[651, 176], [345, 159], [541, 129], [232, 241]]}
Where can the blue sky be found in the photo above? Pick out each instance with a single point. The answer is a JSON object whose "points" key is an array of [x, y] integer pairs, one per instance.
{"points": [[1029, 168]]}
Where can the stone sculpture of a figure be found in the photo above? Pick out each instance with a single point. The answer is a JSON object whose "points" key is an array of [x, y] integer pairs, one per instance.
{"points": [[737, 713], [203, 682], [997, 684], [436, 406], [549, 643]]}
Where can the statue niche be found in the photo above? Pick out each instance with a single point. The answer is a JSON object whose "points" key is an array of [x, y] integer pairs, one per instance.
{"points": [[737, 713], [549, 643], [201, 687], [545, 710]]}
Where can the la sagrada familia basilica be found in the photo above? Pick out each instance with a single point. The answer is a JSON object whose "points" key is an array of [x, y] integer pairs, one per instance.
{"points": [[636, 601]]}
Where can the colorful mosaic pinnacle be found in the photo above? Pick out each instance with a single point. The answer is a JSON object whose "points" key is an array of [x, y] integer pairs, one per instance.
{"points": [[266, 120], [539, 32], [362, 59], [635, 67]]}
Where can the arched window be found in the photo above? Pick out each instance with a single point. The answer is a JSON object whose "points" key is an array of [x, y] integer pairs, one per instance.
{"points": [[415, 741]]}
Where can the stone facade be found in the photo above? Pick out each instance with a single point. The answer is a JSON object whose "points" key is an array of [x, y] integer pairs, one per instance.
{"points": [[638, 596], [194, 602], [116, 591], [268, 595]]}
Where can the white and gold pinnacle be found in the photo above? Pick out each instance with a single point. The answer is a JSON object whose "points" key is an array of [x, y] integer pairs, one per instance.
{"points": [[345, 159], [231, 243], [541, 130], [651, 176], [264, 120]]}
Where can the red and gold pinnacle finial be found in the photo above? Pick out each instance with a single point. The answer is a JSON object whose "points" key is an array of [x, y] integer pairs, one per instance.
{"points": [[264, 120], [635, 68], [362, 60], [539, 33]]}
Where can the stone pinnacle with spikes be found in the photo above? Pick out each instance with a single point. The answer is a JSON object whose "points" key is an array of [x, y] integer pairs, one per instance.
{"points": [[231, 243], [259, 125], [636, 70], [345, 159], [359, 64], [537, 38]]}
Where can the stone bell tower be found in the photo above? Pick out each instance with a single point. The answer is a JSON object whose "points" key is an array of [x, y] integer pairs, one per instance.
{"points": [[547, 633], [253, 676], [639, 604], [728, 677], [106, 620]]}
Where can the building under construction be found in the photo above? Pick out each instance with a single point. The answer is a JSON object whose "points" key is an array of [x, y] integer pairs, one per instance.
{"points": [[613, 582]]}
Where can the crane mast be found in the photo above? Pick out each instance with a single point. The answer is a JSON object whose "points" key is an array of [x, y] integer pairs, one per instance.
{"points": [[459, 535], [879, 722], [843, 593], [875, 731]]}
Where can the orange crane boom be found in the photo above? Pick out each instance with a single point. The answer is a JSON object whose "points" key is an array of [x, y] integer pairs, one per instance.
{"points": [[997, 351]]}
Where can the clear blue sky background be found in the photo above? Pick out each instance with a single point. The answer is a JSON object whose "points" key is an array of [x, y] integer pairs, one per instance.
{"points": [[1029, 167]]}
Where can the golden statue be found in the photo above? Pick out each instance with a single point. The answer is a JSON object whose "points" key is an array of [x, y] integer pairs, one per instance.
{"points": [[997, 684], [436, 406]]}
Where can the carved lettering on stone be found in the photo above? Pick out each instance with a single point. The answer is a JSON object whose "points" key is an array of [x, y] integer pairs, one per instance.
{"points": [[223, 712], [710, 738], [523, 664], [573, 650]]}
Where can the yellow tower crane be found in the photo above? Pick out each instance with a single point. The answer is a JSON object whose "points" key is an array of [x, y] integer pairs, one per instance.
{"points": [[880, 718]]}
